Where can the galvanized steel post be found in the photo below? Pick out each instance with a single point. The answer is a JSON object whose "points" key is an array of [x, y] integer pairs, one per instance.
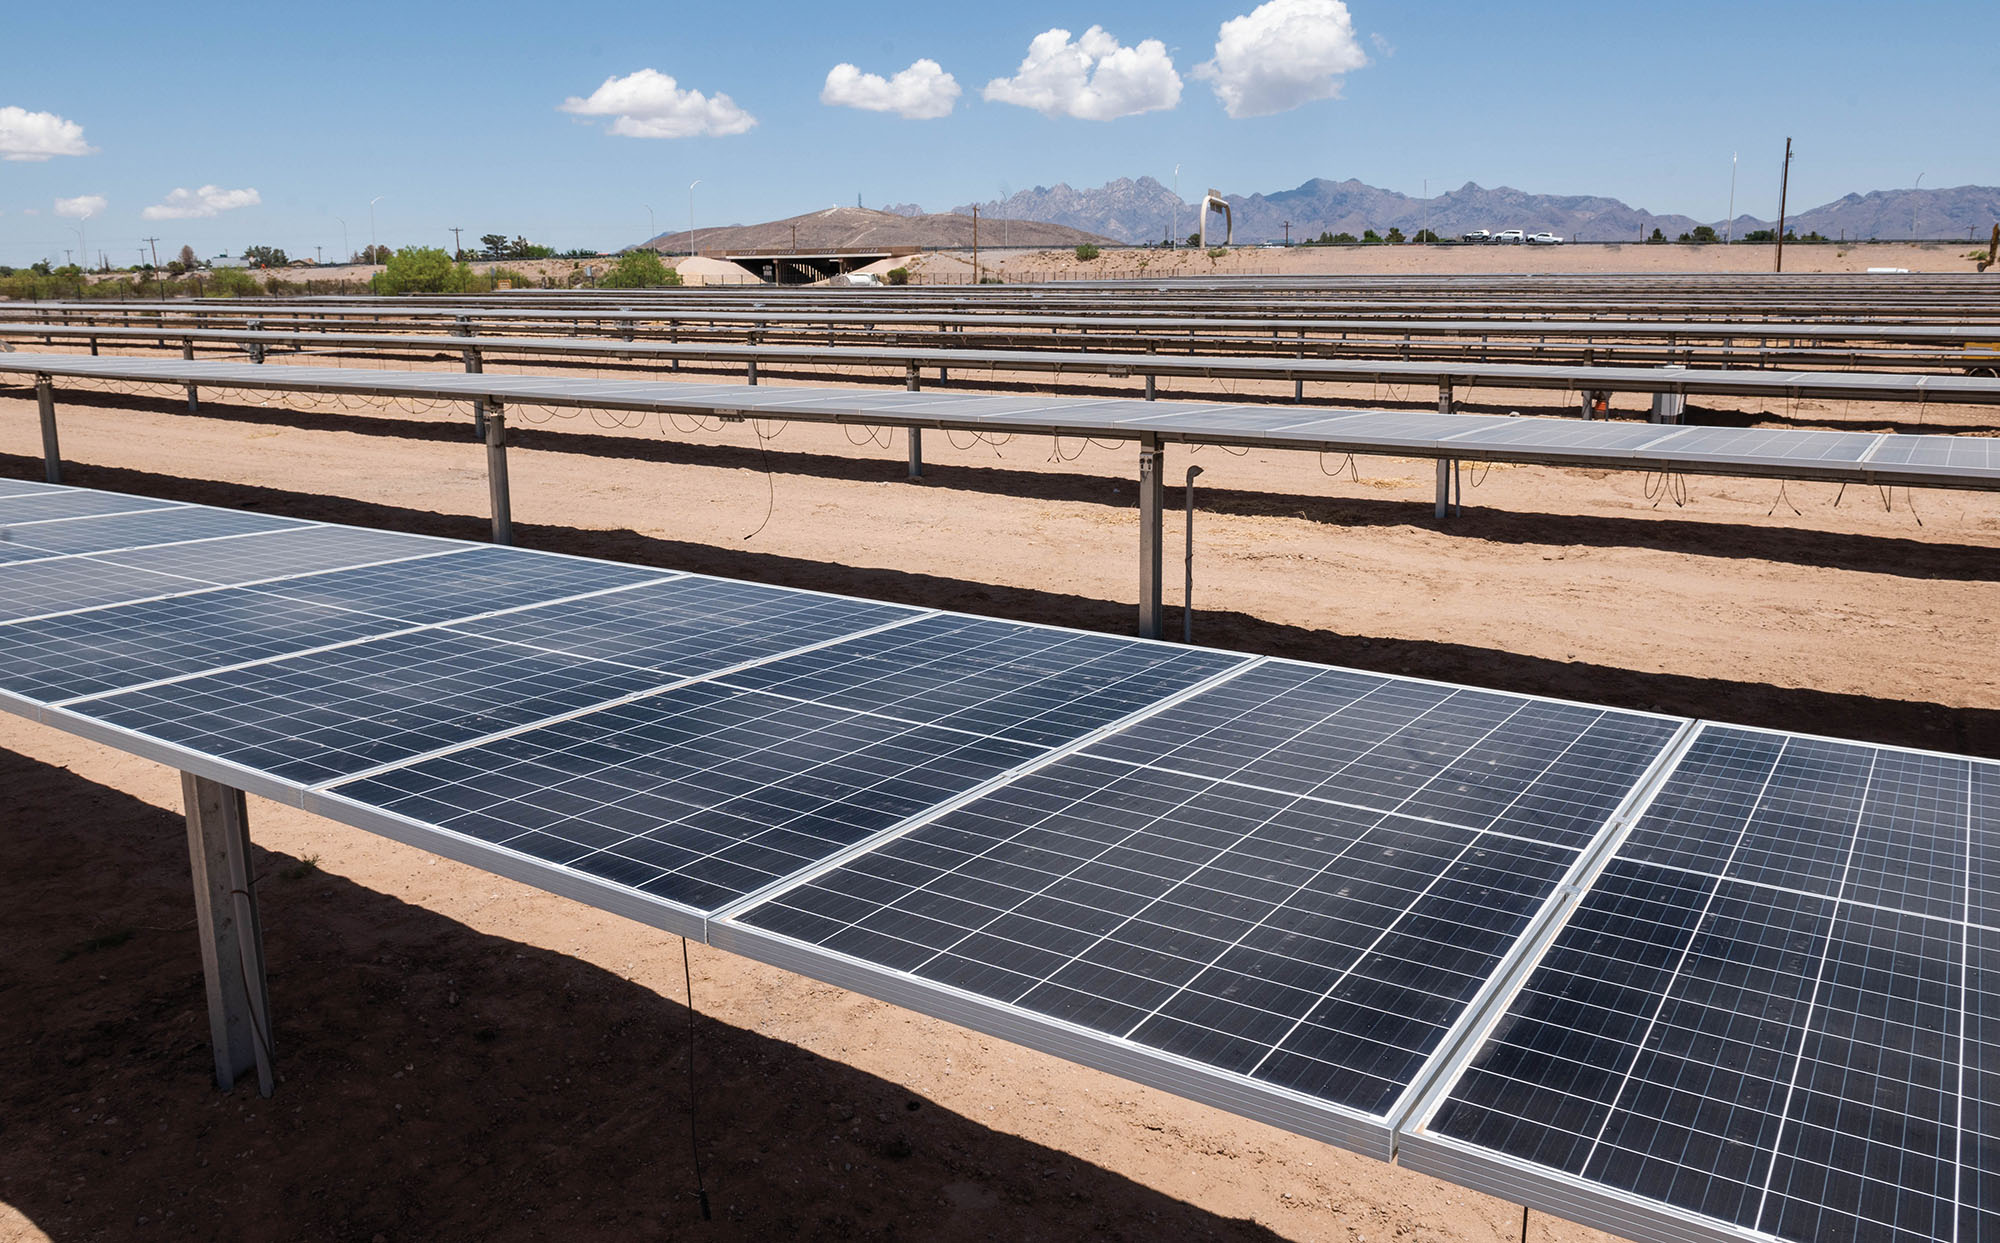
{"points": [[1152, 497], [496, 473]]}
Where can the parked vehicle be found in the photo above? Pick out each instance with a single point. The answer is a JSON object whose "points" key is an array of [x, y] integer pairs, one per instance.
{"points": [[1511, 237], [1545, 239], [1477, 236]]}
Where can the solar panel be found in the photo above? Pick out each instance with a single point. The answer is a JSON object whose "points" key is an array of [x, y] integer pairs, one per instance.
{"points": [[701, 794], [63, 584], [1299, 877], [137, 530], [463, 583], [276, 554], [1848, 456], [1764, 1015], [100, 650], [317, 716], [76, 503], [688, 626]]}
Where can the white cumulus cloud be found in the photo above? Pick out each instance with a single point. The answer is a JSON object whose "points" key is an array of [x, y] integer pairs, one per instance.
{"points": [[1093, 78], [185, 204], [82, 207], [650, 104], [26, 135], [922, 92], [1282, 54]]}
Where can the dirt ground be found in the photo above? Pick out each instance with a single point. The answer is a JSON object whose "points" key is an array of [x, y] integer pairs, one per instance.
{"points": [[463, 1057]]}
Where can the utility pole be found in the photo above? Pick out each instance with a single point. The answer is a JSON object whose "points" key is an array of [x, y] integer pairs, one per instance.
{"points": [[456, 249], [975, 244], [158, 276], [1288, 233], [1784, 187], [1729, 225]]}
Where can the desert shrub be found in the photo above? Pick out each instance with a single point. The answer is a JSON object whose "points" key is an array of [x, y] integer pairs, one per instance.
{"points": [[897, 276], [639, 269], [421, 269], [1087, 252], [231, 283], [1216, 252]]}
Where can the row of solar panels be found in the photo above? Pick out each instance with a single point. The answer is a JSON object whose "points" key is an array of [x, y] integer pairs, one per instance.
{"points": [[1674, 979], [1860, 457], [1770, 384], [1262, 321]]}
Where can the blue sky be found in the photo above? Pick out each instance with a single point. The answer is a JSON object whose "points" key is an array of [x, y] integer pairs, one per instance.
{"points": [[455, 116]]}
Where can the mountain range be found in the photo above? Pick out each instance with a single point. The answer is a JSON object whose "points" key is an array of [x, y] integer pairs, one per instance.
{"points": [[1143, 211]]}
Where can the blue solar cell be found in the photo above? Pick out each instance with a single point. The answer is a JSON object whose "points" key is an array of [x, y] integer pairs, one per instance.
{"points": [[465, 583], [105, 649]]}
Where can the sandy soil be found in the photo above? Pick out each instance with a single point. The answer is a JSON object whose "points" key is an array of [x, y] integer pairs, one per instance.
{"points": [[467, 1058]]}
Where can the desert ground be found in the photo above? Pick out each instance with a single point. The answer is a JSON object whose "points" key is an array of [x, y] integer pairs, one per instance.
{"points": [[463, 1057]]}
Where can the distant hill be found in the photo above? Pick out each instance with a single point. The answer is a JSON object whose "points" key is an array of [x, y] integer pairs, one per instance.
{"points": [[1142, 211], [1947, 212], [845, 228]]}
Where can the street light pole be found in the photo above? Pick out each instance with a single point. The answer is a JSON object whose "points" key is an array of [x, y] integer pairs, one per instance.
{"points": [[1174, 229], [1729, 225], [343, 242], [691, 239], [1913, 208], [652, 229], [371, 224]]}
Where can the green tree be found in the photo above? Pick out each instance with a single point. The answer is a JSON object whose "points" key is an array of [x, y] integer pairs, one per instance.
{"points": [[1428, 237], [1087, 252], [493, 245], [1395, 237], [1657, 236], [1370, 235], [421, 269], [1704, 233], [895, 276], [264, 257], [639, 269]]}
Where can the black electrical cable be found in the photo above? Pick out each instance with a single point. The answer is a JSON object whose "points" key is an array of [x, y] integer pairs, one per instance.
{"points": [[694, 1135], [770, 484]]}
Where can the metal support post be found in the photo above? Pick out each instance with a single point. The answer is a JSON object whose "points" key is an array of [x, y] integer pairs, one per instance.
{"points": [[1187, 588], [916, 453], [496, 473], [256, 347], [232, 939], [45, 397], [1447, 475], [187, 352], [910, 379], [1152, 495], [752, 365], [474, 365], [1444, 397]]}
